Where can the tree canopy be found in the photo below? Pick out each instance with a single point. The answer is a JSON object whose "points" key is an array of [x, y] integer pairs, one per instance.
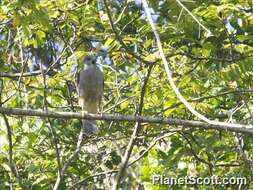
{"points": [[208, 45]]}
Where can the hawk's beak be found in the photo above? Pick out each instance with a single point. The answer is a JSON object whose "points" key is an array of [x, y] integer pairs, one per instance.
{"points": [[94, 61]]}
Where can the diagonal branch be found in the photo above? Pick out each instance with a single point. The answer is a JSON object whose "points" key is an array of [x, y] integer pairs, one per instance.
{"points": [[169, 72], [12, 163], [137, 128], [69, 160]]}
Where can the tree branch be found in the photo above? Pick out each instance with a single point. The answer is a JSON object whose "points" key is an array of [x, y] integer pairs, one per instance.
{"points": [[169, 72], [92, 176], [12, 163], [16, 75], [143, 119], [138, 57], [152, 145], [199, 99], [137, 128], [69, 160], [194, 18]]}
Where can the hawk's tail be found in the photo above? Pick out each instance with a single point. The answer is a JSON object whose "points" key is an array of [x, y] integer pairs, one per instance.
{"points": [[90, 127]]}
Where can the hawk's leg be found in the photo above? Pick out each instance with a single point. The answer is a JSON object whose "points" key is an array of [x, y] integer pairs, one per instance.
{"points": [[100, 107]]}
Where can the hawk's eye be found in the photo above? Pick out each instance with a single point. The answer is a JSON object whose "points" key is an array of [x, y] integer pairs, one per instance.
{"points": [[93, 61], [88, 59]]}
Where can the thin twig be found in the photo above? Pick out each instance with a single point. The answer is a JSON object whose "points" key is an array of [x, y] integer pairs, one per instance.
{"points": [[53, 136], [208, 97], [22, 58], [152, 145], [194, 18], [194, 153], [92, 176], [138, 57]]}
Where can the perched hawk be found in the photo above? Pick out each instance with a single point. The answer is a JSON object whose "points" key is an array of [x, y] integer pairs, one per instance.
{"points": [[90, 91]]}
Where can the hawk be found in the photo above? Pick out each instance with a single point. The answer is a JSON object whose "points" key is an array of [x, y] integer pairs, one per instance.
{"points": [[90, 91]]}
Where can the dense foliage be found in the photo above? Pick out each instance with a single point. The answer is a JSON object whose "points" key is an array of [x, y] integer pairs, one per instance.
{"points": [[42, 45]]}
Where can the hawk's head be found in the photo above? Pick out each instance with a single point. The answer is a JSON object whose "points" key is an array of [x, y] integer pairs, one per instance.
{"points": [[90, 61]]}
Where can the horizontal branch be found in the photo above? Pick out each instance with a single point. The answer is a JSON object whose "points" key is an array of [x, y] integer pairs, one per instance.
{"points": [[14, 75], [108, 117]]}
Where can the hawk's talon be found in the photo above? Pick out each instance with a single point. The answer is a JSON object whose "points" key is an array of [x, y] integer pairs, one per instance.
{"points": [[84, 112]]}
